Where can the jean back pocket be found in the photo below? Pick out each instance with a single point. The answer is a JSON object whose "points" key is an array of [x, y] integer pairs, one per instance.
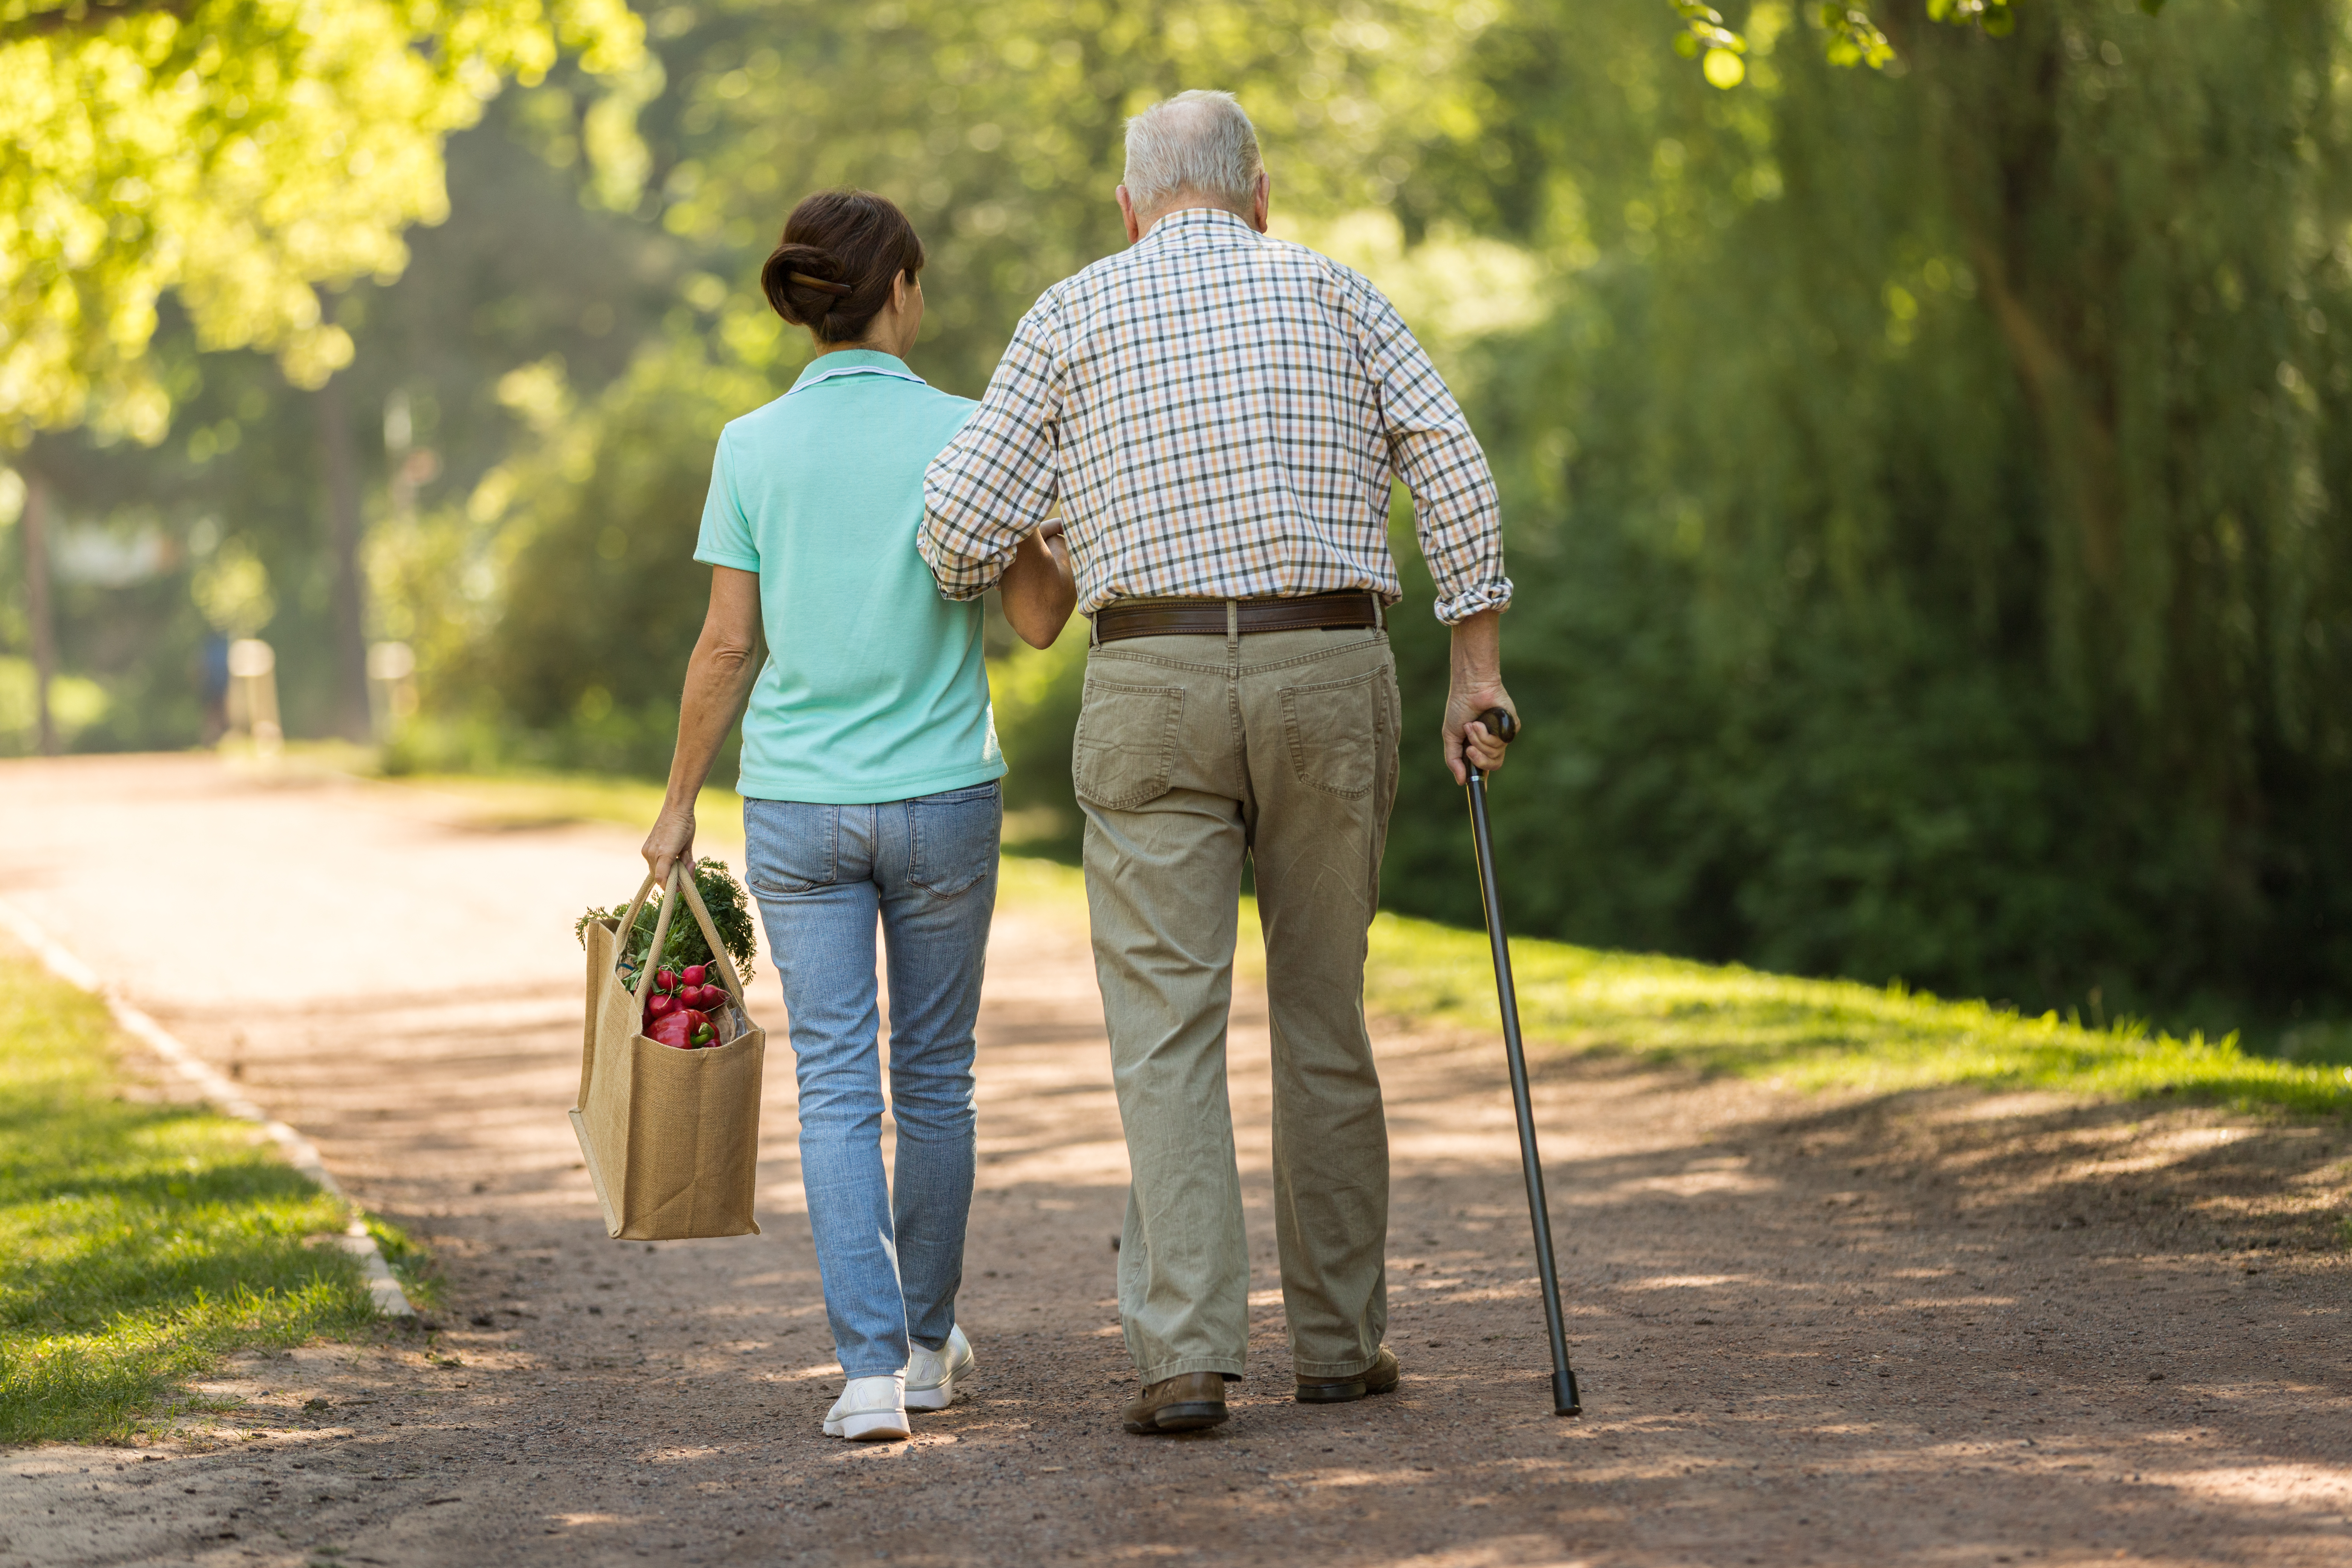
{"points": [[790, 846], [952, 838]]}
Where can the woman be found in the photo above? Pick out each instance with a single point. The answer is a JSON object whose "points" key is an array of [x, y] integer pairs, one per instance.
{"points": [[869, 780]]}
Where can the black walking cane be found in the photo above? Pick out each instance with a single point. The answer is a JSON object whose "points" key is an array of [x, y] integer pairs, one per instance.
{"points": [[1564, 1400]]}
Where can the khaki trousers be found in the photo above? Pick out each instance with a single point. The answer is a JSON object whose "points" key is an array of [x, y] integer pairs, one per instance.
{"points": [[1192, 753]]}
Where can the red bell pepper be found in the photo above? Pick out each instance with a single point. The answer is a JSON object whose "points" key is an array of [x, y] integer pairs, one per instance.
{"points": [[685, 1028]]}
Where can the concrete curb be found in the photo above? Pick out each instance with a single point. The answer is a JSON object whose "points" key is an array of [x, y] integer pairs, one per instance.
{"points": [[301, 1153]]}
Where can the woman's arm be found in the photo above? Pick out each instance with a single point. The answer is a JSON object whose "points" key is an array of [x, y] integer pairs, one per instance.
{"points": [[717, 678], [1038, 592]]}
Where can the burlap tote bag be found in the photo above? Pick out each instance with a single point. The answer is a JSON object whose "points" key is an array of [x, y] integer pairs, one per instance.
{"points": [[671, 1136]]}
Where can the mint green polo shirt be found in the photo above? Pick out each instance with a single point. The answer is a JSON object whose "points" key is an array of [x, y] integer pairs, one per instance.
{"points": [[875, 687]]}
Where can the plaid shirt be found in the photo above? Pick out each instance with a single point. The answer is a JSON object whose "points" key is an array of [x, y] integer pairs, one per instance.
{"points": [[1219, 414]]}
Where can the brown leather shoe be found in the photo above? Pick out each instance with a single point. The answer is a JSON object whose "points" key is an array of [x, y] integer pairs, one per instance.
{"points": [[1377, 1378], [1185, 1402]]}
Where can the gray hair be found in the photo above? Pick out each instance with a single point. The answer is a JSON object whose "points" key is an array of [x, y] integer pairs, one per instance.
{"points": [[1196, 141]]}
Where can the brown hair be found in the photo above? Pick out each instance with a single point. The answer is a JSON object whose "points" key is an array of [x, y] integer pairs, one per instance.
{"points": [[833, 269]]}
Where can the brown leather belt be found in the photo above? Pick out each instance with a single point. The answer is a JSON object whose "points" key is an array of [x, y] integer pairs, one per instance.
{"points": [[1206, 618]]}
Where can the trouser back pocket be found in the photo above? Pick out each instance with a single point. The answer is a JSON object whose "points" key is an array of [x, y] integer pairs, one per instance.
{"points": [[1124, 750]]}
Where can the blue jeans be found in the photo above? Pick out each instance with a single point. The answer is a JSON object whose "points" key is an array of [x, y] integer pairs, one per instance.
{"points": [[891, 1260]]}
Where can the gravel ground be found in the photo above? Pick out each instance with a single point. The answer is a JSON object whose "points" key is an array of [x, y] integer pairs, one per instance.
{"points": [[1945, 1328]]}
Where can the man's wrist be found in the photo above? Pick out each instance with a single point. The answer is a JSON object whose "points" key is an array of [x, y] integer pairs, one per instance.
{"points": [[1475, 655]]}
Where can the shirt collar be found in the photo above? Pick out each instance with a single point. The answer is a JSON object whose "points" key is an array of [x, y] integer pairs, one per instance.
{"points": [[1201, 221], [852, 362]]}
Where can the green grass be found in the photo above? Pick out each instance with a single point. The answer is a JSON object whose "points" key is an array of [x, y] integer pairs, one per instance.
{"points": [[1815, 1034], [1811, 1034], [139, 1243]]}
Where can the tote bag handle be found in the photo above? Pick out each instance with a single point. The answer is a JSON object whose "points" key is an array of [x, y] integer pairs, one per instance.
{"points": [[661, 933]]}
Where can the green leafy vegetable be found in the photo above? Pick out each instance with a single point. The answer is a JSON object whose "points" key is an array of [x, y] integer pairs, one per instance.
{"points": [[730, 913]]}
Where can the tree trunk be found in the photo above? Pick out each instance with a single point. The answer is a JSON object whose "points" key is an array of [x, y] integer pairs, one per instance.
{"points": [[37, 605], [350, 600], [2079, 437]]}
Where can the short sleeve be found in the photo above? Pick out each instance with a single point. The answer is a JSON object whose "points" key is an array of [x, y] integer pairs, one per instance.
{"points": [[726, 538]]}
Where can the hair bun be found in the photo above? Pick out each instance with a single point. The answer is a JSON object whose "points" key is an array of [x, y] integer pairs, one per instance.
{"points": [[805, 283], [834, 266]]}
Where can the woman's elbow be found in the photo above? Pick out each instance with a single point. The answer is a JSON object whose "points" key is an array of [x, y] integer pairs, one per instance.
{"points": [[723, 655], [1038, 625]]}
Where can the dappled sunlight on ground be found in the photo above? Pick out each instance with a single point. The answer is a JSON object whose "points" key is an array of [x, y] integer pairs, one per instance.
{"points": [[1847, 1328]]}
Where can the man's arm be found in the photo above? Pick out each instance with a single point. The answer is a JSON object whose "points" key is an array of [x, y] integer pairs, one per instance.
{"points": [[1457, 517], [997, 479]]}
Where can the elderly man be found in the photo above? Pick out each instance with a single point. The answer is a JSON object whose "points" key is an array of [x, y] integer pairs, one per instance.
{"points": [[1219, 414]]}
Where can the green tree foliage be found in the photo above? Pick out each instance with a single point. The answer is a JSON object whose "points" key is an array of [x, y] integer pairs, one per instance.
{"points": [[1000, 130], [239, 151], [602, 596], [532, 264], [1924, 484], [1931, 528]]}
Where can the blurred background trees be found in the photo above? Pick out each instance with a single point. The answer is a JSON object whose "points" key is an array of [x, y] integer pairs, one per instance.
{"points": [[1936, 514], [1927, 487], [240, 155]]}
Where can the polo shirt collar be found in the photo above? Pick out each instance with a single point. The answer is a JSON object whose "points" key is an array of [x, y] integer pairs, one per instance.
{"points": [[853, 362]]}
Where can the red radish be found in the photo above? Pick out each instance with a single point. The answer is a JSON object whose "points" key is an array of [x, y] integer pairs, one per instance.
{"points": [[657, 1005], [706, 998], [696, 974], [667, 980]]}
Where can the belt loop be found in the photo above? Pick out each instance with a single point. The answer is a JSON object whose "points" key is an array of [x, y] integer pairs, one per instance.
{"points": [[1380, 613], [1093, 629], [1232, 624]]}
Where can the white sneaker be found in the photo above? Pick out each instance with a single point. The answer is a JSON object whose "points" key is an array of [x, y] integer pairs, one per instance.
{"points": [[871, 1409], [932, 1375]]}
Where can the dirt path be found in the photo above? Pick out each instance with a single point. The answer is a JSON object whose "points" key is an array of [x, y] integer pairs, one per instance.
{"points": [[1939, 1329]]}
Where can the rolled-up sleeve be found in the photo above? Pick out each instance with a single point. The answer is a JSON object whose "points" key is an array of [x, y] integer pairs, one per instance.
{"points": [[997, 480], [1456, 510]]}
